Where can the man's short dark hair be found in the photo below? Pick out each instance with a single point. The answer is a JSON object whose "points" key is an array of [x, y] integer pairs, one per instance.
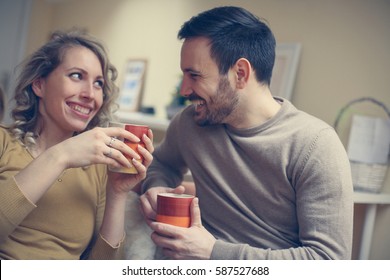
{"points": [[235, 33]]}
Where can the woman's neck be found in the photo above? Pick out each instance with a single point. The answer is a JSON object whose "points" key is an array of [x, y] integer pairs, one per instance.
{"points": [[48, 137]]}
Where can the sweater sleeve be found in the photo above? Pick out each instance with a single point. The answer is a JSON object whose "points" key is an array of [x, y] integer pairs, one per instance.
{"points": [[324, 198], [99, 248], [168, 166], [102, 250], [14, 207]]}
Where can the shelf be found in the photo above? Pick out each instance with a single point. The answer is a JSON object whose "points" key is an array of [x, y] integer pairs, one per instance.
{"points": [[371, 198], [145, 119]]}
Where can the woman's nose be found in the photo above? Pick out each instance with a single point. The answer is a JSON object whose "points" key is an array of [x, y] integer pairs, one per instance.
{"points": [[88, 91]]}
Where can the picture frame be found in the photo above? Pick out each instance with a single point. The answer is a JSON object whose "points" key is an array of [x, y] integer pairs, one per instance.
{"points": [[284, 73], [131, 91]]}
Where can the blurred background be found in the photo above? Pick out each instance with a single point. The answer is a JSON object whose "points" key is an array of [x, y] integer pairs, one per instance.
{"points": [[345, 55]]}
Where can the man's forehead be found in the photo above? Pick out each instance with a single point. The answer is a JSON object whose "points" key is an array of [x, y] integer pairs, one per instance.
{"points": [[195, 54]]}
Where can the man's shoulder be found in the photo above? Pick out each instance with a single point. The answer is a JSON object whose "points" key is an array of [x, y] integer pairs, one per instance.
{"points": [[298, 121]]}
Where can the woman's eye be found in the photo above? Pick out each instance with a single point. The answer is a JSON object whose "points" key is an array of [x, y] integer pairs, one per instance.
{"points": [[76, 76], [99, 83]]}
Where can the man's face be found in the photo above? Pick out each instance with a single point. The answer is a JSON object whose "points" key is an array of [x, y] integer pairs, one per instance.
{"points": [[211, 94]]}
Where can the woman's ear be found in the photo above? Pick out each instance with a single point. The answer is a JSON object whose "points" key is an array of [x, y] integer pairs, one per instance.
{"points": [[243, 71], [37, 86]]}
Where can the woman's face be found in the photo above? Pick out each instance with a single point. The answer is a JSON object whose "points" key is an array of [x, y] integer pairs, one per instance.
{"points": [[72, 94]]}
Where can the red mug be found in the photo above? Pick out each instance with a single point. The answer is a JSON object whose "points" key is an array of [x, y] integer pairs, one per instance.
{"points": [[174, 209], [137, 130]]}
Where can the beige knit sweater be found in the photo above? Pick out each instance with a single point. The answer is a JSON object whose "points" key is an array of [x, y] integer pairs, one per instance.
{"points": [[64, 222]]}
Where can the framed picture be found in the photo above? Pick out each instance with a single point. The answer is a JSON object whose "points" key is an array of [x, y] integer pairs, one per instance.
{"points": [[285, 68], [131, 92]]}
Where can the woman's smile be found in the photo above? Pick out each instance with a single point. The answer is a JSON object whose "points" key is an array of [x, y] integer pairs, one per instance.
{"points": [[80, 110]]}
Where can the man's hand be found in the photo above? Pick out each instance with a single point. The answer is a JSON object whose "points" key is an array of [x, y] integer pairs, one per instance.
{"points": [[149, 201], [194, 242]]}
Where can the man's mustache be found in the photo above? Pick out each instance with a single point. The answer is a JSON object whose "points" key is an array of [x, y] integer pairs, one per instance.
{"points": [[193, 96]]}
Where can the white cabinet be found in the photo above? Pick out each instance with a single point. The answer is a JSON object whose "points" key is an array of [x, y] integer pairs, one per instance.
{"points": [[372, 200]]}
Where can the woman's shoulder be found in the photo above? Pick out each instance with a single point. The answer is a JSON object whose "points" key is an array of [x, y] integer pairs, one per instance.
{"points": [[8, 144], [3, 129], [5, 135]]}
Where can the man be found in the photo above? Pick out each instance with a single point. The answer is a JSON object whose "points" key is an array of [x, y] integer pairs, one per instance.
{"points": [[272, 182]]}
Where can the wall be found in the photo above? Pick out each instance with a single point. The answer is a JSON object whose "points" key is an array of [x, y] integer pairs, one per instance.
{"points": [[15, 17], [345, 53]]}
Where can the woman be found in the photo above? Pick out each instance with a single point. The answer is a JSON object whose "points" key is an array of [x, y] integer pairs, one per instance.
{"points": [[57, 199]]}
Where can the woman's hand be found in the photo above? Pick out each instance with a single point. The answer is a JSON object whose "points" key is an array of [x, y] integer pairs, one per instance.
{"points": [[122, 182], [101, 146], [119, 184], [95, 146]]}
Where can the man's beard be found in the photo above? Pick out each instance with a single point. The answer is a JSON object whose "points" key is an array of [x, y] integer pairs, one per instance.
{"points": [[219, 107]]}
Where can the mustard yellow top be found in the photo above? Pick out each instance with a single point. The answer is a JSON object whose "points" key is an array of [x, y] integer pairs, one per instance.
{"points": [[65, 222]]}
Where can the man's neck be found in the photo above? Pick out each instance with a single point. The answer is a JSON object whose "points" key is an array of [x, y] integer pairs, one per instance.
{"points": [[255, 109]]}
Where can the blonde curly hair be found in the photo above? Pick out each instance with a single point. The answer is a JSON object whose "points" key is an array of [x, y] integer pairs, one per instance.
{"points": [[44, 61]]}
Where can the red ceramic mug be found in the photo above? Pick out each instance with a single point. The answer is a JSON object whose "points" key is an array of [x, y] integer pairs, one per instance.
{"points": [[174, 209], [137, 130]]}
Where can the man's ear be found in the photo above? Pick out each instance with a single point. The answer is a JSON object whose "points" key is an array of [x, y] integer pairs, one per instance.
{"points": [[37, 86], [243, 71]]}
